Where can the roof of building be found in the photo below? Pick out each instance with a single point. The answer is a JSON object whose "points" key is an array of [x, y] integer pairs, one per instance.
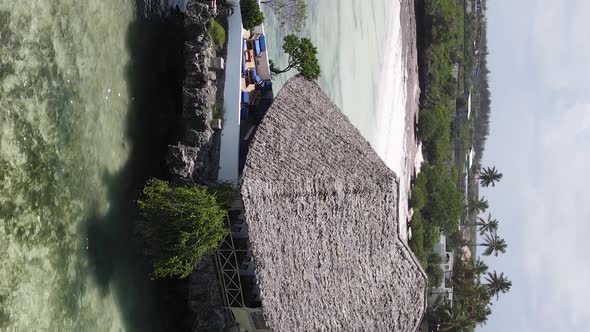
{"points": [[322, 213]]}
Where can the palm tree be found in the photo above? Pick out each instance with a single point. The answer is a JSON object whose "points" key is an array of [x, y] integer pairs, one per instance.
{"points": [[490, 176], [478, 205], [489, 226], [454, 318], [471, 292], [497, 284], [480, 313], [494, 244], [478, 267]]}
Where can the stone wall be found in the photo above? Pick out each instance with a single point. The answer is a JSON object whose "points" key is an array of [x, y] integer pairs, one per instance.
{"points": [[195, 158]]}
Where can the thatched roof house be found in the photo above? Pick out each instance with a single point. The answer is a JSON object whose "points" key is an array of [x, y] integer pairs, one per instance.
{"points": [[322, 213]]}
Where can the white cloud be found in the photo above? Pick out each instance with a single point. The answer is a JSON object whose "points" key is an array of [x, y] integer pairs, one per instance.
{"points": [[558, 267], [560, 47]]}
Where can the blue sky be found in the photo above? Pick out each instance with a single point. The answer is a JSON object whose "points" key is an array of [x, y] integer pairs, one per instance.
{"points": [[540, 139]]}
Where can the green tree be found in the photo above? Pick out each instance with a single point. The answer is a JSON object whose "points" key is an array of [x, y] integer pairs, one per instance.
{"points": [[478, 267], [473, 298], [490, 176], [452, 318], [480, 313], [417, 240], [469, 272], [478, 205], [487, 226], [494, 244], [497, 284], [431, 235], [217, 34], [445, 205], [303, 56], [251, 14], [418, 199], [290, 13], [179, 225], [433, 269]]}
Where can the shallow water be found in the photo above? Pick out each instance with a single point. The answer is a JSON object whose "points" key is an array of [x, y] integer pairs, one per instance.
{"points": [[355, 41], [80, 131]]}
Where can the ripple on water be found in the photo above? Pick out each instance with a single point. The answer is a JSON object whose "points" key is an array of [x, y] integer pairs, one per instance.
{"points": [[58, 139]]}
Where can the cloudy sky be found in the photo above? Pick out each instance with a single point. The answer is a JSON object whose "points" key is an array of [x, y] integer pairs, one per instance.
{"points": [[540, 139]]}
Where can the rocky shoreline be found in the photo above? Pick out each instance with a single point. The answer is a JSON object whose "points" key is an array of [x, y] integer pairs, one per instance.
{"points": [[194, 159], [412, 147]]}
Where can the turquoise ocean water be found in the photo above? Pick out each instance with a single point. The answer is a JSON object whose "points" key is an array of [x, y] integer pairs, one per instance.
{"points": [[79, 133], [89, 90], [353, 38]]}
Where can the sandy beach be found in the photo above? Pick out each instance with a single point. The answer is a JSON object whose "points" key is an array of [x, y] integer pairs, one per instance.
{"points": [[398, 105], [413, 148]]}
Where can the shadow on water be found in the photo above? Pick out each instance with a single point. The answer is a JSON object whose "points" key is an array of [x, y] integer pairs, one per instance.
{"points": [[154, 75]]}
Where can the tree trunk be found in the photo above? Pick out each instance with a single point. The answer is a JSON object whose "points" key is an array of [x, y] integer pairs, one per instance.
{"points": [[269, 3], [280, 71]]}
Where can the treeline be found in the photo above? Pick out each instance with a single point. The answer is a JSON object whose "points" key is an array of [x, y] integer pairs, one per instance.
{"points": [[436, 202], [482, 119], [438, 53], [444, 40]]}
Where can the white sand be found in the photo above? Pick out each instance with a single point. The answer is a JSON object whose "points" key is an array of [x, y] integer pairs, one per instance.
{"points": [[393, 137]]}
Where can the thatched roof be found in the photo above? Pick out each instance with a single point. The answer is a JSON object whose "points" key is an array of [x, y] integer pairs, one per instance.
{"points": [[322, 213]]}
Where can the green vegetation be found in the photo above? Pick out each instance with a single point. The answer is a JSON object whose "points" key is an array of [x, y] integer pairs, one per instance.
{"points": [[493, 244], [472, 300], [487, 226], [478, 205], [179, 225], [497, 284], [490, 176], [291, 14], [434, 271], [449, 39], [437, 205], [218, 111], [4, 315], [217, 34], [303, 56], [417, 242], [251, 14]]}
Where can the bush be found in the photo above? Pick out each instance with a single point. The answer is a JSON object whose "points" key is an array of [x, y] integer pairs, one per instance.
{"points": [[418, 199], [445, 204], [217, 34], [251, 14], [454, 173], [417, 241], [461, 102], [179, 225], [455, 240], [431, 236], [435, 275], [434, 259]]}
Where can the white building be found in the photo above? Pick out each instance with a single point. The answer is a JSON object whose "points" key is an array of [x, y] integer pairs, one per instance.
{"points": [[442, 292]]}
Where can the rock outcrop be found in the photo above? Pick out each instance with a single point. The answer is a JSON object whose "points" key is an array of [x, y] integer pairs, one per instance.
{"points": [[194, 158]]}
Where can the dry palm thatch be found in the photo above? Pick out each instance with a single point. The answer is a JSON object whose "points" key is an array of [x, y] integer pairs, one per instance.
{"points": [[322, 211]]}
